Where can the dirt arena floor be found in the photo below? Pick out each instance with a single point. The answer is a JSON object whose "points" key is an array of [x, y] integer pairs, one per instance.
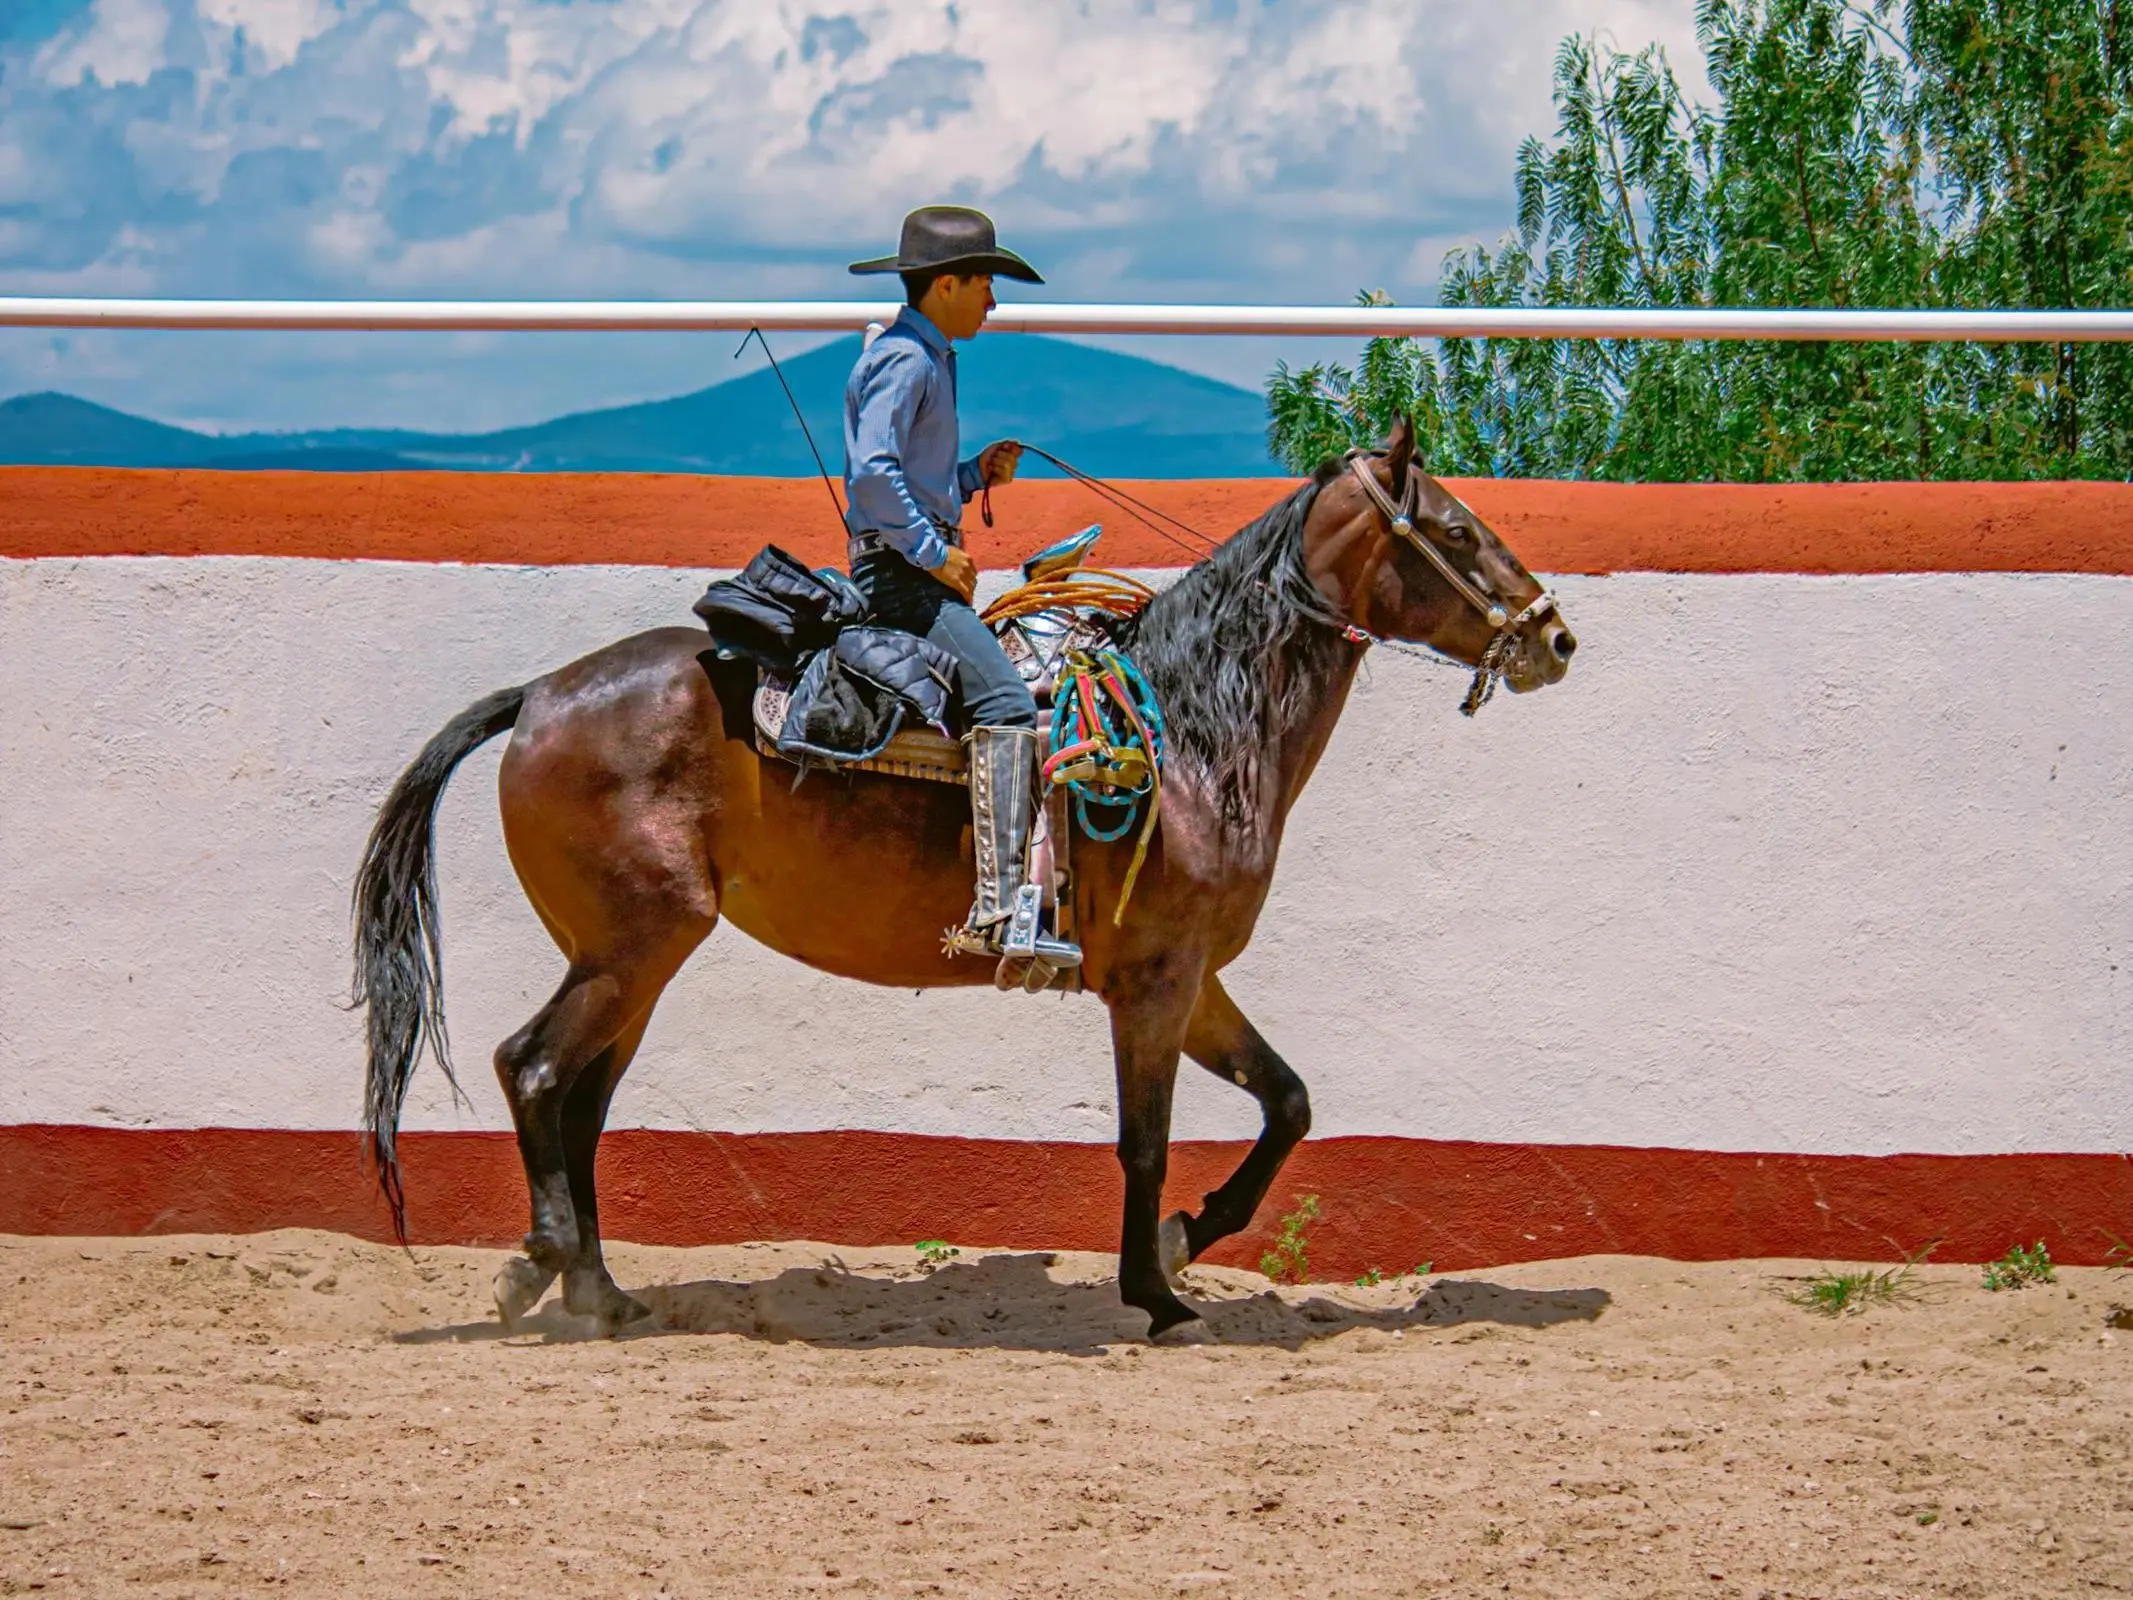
{"points": [[302, 1413]]}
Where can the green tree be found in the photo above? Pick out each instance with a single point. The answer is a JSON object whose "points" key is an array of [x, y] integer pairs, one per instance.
{"points": [[1932, 153]]}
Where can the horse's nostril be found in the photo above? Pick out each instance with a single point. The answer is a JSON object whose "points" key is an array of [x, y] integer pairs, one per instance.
{"points": [[1563, 642]]}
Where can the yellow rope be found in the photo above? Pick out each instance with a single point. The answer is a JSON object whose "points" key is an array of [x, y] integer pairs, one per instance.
{"points": [[1140, 849], [1085, 588]]}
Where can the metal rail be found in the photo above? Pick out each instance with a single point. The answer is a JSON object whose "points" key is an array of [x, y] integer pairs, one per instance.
{"points": [[812, 316]]}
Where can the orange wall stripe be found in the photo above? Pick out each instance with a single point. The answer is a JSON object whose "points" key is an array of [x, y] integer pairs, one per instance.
{"points": [[679, 521], [1387, 1202]]}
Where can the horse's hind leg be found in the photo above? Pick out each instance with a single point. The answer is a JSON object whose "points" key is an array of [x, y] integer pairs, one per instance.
{"points": [[588, 1289], [537, 1067], [584, 1037], [1222, 1039]]}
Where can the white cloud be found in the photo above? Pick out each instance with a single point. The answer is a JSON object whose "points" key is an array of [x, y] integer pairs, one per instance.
{"points": [[125, 41], [1135, 148]]}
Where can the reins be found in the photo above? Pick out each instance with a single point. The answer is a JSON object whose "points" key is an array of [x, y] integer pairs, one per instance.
{"points": [[1401, 514], [1140, 510]]}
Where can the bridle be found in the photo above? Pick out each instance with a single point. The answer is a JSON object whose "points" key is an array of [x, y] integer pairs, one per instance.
{"points": [[1403, 515]]}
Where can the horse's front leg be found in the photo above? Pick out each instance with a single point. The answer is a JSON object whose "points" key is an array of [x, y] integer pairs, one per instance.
{"points": [[1149, 1010], [1222, 1039]]}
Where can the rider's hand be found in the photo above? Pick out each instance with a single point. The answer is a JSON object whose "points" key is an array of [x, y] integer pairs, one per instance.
{"points": [[997, 462], [960, 573]]}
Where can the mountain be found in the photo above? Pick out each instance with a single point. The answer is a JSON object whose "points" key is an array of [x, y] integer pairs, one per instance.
{"points": [[1111, 414], [59, 430]]}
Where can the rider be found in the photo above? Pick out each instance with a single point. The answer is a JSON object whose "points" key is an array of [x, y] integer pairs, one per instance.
{"points": [[906, 491]]}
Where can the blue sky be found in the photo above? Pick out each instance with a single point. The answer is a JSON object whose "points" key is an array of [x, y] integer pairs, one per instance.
{"points": [[1224, 150]]}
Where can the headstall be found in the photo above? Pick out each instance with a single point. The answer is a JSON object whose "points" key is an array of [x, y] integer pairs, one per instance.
{"points": [[1403, 515]]}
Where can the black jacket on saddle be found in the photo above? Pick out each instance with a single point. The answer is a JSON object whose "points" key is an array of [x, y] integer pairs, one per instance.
{"points": [[852, 685]]}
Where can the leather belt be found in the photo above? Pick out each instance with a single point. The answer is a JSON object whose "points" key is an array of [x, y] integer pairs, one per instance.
{"points": [[872, 543]]}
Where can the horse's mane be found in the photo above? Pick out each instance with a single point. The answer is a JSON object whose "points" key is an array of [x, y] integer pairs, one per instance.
{"points": [[1235, 651]]}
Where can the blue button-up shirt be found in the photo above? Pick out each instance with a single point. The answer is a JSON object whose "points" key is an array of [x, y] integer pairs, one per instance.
{"points": [[902, 481]]}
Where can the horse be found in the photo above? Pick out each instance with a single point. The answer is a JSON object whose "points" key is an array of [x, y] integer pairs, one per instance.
{"points": [[638, 813]]}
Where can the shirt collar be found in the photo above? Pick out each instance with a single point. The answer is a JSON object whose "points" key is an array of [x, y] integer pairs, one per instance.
{"points": [[922, 325]]}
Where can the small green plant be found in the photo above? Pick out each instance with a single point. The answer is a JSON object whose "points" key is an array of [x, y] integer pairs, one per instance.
{"points": [[1926, 1519], [2019, 1268], [2119, 1258], [1290, 1258], [1372, 1276], [935, 1251], [1833, 1294], [1492, 1534]]}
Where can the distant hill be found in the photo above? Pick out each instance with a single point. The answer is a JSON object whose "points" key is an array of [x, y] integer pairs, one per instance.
{"points": [[1111, 414], [59, 430]]}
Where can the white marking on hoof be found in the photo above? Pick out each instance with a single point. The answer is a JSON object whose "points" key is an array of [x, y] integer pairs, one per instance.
{"points": [[1173, 1251], [518, 1288]]}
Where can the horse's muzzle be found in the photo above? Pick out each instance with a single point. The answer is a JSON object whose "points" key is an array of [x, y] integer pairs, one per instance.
{"points": [[1543, 657]]}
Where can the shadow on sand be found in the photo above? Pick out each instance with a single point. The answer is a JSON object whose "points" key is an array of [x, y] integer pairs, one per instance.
{"points": [[1012, 1302]]}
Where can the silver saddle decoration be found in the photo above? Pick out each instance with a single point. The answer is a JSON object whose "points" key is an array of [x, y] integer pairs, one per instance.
{"points": [[1037, 644]]}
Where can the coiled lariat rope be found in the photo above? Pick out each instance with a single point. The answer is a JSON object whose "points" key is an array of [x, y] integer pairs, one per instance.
{"points": [[1077, 589], [1105, 744], [1106, 748]]}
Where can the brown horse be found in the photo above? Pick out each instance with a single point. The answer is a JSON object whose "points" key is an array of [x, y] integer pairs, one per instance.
{"points": [[638, 812]]}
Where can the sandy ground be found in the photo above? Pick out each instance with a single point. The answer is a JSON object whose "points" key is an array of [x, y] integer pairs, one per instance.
{"points": [[301, 1412]]}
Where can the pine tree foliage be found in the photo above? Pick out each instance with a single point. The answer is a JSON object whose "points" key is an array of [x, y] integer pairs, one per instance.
{"points": [[1859, 153]]}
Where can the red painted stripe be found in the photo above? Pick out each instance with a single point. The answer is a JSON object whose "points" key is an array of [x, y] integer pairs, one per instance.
{"points": [[674, 521], [1388, 1202]]}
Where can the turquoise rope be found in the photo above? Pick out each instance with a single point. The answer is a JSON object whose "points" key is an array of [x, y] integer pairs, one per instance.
{"points": [[1116, 730]]}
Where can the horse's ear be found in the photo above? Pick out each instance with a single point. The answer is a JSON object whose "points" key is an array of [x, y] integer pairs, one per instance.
{"points": [[1400, 450]]}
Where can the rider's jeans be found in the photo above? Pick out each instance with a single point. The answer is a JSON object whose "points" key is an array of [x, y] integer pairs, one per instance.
{"points": [[904, 596]]}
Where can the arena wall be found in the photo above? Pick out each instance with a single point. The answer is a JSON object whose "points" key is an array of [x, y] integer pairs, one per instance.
{"points": [[1794, 922]]}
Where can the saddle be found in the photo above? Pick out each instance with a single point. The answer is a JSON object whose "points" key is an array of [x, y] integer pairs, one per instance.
{"points": [[1058, 608]]}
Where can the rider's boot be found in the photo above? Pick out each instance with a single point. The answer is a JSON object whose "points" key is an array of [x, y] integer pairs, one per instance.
{"points": [[1006, 918]]}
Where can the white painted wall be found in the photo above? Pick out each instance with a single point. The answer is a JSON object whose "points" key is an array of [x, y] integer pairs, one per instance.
{"points": [[1838, 865]]}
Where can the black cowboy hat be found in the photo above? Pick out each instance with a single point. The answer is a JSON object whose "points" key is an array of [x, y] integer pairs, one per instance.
{"points": [[951, 239]]}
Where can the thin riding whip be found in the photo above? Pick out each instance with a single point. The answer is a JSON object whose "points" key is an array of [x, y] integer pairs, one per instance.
{"points": [[800, 417]]}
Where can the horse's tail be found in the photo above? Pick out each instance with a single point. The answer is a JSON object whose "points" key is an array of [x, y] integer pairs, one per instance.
{"points": [[399, 941]]}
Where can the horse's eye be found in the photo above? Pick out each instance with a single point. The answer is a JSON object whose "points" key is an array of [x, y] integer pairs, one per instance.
{"points": [[1454, 530]]}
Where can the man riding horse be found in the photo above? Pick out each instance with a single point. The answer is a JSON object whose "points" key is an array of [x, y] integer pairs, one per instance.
{"points": [[639, 813], [906, 490]]}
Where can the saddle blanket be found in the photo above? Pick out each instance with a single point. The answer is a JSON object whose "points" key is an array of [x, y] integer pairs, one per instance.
{"points": [[914, 753], [1036, 644]]}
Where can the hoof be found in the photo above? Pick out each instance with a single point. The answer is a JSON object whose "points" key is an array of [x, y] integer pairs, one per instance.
{"points": [[518, 1288], [1173, 1250], [1192, 1331], [604, 1304], [1167, 1319]]}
